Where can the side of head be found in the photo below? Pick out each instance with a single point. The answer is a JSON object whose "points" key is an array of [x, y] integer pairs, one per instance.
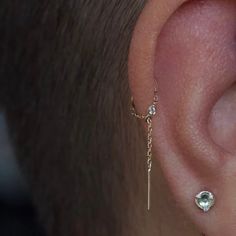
{"points": [[65, 91], [66, 67]]}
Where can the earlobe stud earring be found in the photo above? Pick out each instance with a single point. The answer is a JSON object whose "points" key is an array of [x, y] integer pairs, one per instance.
{"points": [[151, 112], [205, 200]]}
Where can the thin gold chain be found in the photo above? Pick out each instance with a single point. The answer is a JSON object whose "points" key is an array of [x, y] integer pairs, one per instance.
{"points": [[152, 110], [149, 159]]}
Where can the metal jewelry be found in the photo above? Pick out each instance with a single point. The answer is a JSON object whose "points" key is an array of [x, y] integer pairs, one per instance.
{"points": [[205, 200], [151, 112]]}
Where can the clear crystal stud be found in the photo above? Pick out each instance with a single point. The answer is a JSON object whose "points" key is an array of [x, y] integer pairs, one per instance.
{"points": [[152, 110], [205, 200]]}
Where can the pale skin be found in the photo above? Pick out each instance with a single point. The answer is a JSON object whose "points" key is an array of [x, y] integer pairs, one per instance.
{"points": [[189, 50]]}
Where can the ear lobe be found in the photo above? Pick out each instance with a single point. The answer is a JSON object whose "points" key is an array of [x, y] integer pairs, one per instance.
{"points": [[191, 53]]}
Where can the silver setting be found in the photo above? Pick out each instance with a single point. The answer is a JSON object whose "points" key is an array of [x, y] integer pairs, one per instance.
{"points": [[152, 110], [205, 200]]}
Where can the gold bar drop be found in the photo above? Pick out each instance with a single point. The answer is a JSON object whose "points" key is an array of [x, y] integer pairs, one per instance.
{"points": [[149, 189]]}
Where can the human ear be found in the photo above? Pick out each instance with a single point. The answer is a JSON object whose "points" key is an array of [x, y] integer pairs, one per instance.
{"points": [[189, 49]]}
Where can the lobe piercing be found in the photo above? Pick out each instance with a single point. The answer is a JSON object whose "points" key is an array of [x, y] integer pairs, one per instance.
{"points": [[205, 200]]}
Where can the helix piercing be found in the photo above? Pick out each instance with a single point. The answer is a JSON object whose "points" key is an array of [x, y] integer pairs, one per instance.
{"points": [[151, 112]]}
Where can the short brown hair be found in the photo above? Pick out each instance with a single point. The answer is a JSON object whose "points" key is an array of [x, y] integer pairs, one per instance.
{"points": [[64, 88]]}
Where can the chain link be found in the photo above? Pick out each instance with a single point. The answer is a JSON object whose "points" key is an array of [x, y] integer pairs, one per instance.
{"points": [[148, 118], [134, 113], [149, 144]]}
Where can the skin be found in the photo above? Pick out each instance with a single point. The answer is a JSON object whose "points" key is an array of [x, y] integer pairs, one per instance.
{"points": [[189, 50], [64, 89]]}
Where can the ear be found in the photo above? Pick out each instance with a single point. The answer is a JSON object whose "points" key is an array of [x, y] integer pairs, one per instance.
{"points": [[189, 48]]}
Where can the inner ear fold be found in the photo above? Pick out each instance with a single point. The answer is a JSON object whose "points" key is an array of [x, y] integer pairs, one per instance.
{"points": [[222, 121]]}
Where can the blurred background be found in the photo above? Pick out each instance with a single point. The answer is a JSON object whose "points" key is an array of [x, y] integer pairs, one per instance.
{"points": [[17, 215]]}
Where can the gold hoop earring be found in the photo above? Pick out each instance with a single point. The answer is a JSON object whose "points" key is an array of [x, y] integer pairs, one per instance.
{"points": [[151, 112]]}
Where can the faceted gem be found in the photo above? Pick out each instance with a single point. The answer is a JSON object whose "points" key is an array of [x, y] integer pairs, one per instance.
{"points": [[152, 110], [205, 200]]}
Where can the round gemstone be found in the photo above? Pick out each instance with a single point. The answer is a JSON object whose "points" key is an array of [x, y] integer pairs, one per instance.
{"points": [[152, 110], [205, 200]]}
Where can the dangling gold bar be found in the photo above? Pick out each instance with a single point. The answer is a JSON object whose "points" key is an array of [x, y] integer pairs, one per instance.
{"points": [[149, 190], [152, 110]]}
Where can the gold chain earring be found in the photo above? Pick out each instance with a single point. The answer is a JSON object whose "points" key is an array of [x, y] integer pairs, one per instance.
{"points": [[151, 112]]}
